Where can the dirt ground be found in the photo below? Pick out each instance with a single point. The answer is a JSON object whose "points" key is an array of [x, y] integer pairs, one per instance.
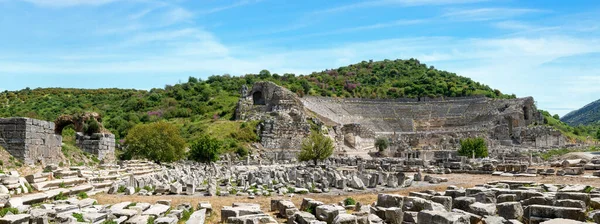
{"points": [[460, 180]]}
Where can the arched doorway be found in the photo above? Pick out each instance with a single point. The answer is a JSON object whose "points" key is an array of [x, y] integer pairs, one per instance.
{"points": [[258, 98]]}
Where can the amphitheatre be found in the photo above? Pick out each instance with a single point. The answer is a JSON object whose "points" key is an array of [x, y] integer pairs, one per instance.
{"points": [[419, 178]]}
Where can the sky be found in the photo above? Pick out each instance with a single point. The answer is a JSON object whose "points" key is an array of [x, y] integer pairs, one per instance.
{"points": [[548, 49]]}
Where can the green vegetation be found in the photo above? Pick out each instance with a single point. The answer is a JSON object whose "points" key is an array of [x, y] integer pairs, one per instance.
{"points": [[381, 143], [3, 211], [109, 221], [148, 188], [62, 185], [121, 189], [316, 147], [470, 146], [205, 149], [349, 201], [579, 132], [151, 220], [194, 103], [185, 215], [560, 152], [78, 216], [82, 195], [130, 205], [159, 141], [60, 196]]}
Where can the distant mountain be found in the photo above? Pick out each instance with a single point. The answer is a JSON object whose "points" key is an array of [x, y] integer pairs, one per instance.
{"points": [[589, 114]]}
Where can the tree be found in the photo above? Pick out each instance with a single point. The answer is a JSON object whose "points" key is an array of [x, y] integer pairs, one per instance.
{"points": [[598, 134], [469, 146], [556, 117], [91, 126], [316, 147], [205, 149], [159, 142], [381, 143]]}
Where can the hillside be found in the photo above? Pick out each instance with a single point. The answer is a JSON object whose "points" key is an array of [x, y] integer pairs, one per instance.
{"points": [[206, 106], [587, 115]]}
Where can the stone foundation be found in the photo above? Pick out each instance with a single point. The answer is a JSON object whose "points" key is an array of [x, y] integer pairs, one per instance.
{"points": [[31, 140], [99, 144]]}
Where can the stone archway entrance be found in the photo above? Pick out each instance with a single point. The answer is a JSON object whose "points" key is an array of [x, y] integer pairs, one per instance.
{"points": [[258, 98]]}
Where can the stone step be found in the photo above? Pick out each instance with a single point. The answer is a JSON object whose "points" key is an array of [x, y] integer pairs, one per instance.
{"points": [[56, 183]]}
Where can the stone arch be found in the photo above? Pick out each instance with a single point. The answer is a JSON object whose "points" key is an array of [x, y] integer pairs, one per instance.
{"points": [[258, 98], [60, 124]]}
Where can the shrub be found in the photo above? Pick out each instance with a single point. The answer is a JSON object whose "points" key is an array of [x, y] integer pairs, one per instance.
{"points": [[6, 210], [205, 149], [185, 215], [160, 142], [121, 189], [381, 143], [349, 201], [241, 151], [470, 146], [91, 126], [60, 196], [82, 195], [316, 147], [79, 217]]}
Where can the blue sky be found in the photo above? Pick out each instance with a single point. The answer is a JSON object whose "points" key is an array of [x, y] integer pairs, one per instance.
{"points": [[546, 49]]}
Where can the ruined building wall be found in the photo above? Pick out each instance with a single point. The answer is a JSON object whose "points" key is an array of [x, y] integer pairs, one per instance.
{"points": [[31, 140], [284, 123], [100, 144]]}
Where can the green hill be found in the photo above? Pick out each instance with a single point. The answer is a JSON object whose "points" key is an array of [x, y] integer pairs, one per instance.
{"points": [[206, 106], [587, 115]]}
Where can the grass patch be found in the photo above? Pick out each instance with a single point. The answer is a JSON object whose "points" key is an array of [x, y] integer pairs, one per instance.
{"points": [[560, 152], [79, 217], [60, 196], [82, 195], [185, 215], [150, 220], [6, 210], [121, 189]]}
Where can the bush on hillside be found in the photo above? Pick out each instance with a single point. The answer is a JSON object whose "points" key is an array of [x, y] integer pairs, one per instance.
{"points": [[205, 149], [159, 142]]}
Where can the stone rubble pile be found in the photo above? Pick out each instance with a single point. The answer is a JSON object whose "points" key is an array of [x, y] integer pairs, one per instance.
{"points": [[87, 210]]}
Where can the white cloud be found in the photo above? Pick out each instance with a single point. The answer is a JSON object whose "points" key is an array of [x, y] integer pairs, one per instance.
{"points": [[482, 14], [401, 3], [230, 6], [68, 3]]}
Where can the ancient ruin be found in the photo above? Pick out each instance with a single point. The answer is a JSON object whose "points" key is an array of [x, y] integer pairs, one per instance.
{"points": [[101, 144], [412, 126], [30, 140]]}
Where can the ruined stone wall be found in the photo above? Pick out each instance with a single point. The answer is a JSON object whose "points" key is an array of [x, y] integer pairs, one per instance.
{"points": [[31, 140], [100, 144], [284, 123]]}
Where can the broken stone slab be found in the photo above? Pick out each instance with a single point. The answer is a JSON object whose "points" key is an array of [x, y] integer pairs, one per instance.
{"points": [[94, 217], [327, 213], [441, 217], [482, 209], [138, 219], [510, 210], [156, 210], [205, 205], [229, 211], [166, 220], [561, 221], [15, 219], [302, 217], [389, 200], [345, 219], [418, 204], [254, 218], [544, 211], [198, 217]]}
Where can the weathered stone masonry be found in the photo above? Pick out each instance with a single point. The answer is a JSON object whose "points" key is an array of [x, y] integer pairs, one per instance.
{"points": [[30, 140], [100, 144]]}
